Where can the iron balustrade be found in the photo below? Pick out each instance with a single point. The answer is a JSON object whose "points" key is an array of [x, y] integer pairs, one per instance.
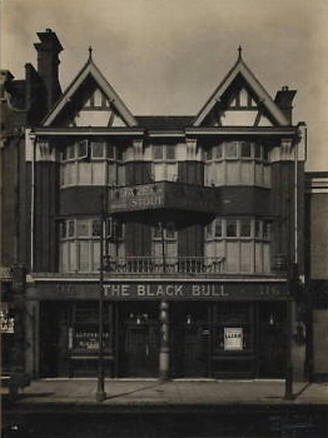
{"points": [[172, 265]]}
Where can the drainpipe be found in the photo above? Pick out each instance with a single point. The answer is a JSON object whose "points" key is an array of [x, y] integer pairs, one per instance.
{"points": [[293, 273], [296, 205], [33, 138]]}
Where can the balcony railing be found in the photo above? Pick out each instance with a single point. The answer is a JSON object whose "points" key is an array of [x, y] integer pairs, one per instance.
{"points": [[171, 265]]}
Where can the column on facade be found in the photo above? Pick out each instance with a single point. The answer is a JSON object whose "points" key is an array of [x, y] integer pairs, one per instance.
{"points": [[164, 353]]}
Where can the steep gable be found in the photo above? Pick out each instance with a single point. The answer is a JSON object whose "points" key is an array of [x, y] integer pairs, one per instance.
{"points": [[240, 100], [90, 101]]}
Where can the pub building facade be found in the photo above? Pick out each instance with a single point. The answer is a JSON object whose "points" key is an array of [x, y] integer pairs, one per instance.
{"points": [[200, 221]]}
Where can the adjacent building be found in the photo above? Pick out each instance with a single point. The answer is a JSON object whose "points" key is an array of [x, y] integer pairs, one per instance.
{"points": [[317, 273], [192, 225]]}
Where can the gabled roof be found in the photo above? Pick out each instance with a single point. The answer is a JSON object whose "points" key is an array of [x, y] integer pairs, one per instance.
{"points": [[240, 68], [90, 69]]}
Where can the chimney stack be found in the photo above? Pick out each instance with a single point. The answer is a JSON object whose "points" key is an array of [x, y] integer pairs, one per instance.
{"points": [[48, 50], [284, 99]]}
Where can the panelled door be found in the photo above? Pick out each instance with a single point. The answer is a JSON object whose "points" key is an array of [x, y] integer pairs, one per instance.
{"points": [[190, 340], [272, 340], [139, 340]]}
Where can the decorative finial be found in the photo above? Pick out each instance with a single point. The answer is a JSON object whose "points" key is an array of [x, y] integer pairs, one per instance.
{"points": [[90, 52], [239, 51]]}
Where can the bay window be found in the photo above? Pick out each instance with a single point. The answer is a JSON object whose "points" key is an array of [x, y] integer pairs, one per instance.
{"points": [[165, 166], [237, 163], [79, 244], [243, 244], [92, 162]]}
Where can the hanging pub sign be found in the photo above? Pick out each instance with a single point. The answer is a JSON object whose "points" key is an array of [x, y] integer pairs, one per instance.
{"points": [[233, 338], [7, 322]]}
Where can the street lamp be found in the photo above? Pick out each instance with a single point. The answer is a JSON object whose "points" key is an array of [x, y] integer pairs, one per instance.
{"points": [[100, 393]]}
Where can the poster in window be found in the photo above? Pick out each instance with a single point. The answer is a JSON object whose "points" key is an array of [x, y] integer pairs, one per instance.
{"points": [[233, 338]]}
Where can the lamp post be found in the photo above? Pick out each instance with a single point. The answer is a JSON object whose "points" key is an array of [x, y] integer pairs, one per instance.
{"points": [[100, 393]]}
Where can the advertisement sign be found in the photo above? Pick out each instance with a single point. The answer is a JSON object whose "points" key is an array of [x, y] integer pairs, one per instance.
{"points": [[162, 195], [233, 338], [7, 322]]}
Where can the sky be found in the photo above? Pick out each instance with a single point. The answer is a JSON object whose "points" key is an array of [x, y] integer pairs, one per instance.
{"points": [[165, 57]]}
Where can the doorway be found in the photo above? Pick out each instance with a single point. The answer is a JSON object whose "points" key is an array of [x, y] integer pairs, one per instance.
{"points": [[272, 340], [190, 339], [138, 339]]}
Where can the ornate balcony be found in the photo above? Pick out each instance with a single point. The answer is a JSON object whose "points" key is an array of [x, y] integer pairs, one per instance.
{"points": [[170, 266], [161, 195]]}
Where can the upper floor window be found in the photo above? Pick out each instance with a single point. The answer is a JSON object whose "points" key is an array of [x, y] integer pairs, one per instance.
{"points": [[92, 162], [243, 244], [164, 165], [79, 242], [237, 163], [237, 150], [164, 152], [167, 233], [246, 228]]}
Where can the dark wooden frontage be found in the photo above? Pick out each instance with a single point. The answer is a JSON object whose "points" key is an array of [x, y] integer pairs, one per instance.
{"points": [[212, 334]]}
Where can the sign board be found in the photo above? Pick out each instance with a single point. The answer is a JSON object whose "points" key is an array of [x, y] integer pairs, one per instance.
{"points": [[233, 338], [158, 195], [156, 290]]}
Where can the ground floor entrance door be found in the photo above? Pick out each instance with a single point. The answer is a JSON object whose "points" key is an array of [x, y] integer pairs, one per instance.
{"points": [[138, 339], [272, 340], [190, 339]]}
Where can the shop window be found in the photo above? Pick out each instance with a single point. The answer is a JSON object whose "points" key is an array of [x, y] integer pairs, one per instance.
{"points": [[83, 333], [234, 322]]}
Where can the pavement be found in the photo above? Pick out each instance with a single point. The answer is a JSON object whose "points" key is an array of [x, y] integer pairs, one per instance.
{"points": [[176, 396]]}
